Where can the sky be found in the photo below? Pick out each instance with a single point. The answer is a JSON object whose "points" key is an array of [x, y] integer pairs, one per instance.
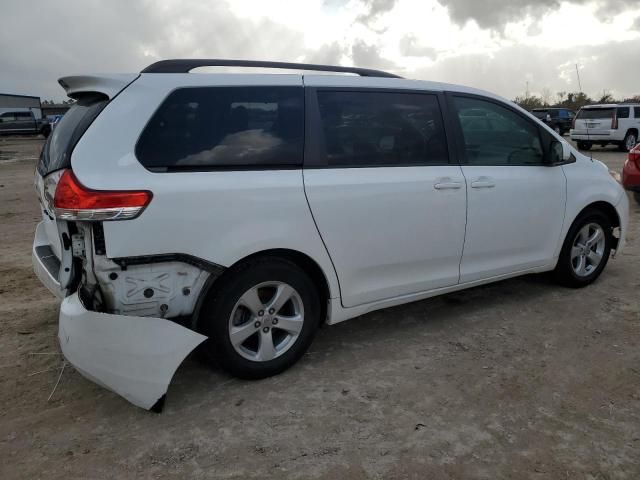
{"points": [[505, 46]]}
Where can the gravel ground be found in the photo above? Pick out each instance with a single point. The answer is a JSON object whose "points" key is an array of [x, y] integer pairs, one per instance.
{"points": [[519, 380]]}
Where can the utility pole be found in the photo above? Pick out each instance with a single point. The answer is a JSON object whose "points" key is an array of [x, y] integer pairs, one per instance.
{"points": [[578, 74]]}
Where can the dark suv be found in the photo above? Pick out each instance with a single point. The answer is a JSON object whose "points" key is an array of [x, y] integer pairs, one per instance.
{"points": [[559, 119]]}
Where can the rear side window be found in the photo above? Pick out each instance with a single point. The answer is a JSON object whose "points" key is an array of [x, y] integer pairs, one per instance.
{"points": [[372, 129], [623, 112], [56, 153], [595, 113], [225, 127]]}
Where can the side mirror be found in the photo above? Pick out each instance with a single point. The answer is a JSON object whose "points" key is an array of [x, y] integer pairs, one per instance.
{"points": [[560, 152]]}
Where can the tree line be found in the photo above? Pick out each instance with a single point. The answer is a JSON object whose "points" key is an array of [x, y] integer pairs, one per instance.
{"points": [[570, 100]]}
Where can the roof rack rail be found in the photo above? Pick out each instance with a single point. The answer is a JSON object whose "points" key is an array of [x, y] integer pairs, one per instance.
{"points": [[186, 65]]}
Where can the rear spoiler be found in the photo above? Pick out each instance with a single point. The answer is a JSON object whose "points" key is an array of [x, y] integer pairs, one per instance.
{"points": [[109, 85]]}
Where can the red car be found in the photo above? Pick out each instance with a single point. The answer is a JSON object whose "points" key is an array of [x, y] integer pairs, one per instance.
{"points": [[631, 172]]}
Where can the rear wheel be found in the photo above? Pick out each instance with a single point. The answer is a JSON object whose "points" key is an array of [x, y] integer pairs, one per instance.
{"points": [[584, 145], [585, 251], [262, 319], [629, 142]]}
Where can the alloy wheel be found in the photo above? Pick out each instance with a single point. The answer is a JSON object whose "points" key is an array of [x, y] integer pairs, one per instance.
{"points": [[630, 142], [266, 321], [588, 248]]}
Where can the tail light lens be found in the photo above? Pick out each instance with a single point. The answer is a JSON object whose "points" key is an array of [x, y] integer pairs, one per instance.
{"points": [[614, 121], [634, 155], [73, 201]]}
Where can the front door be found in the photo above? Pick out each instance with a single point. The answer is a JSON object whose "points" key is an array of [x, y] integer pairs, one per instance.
{"points": [[388, 203], [516, 202]]}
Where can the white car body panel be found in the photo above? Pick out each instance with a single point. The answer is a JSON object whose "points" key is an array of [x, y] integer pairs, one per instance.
{"points": [[362, 216], [135, 357], [588, 181], [268, 199], [514, 219], [381, 236]]}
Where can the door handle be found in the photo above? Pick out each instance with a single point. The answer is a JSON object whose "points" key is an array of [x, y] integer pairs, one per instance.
{"points": [[447, 185], [483, 182]]}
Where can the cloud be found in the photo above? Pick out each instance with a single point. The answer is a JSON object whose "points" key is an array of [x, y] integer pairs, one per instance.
{"points": [[507, 72], [369, 56], [374, 9], [410, 46], [495, 14], [415, 38]]}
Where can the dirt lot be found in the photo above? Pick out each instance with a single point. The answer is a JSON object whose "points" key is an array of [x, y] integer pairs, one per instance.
{"points": [[518, 380]]}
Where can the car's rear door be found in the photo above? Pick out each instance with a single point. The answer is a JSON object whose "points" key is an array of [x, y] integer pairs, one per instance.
{"points": [[387, 196], [516, 201]]}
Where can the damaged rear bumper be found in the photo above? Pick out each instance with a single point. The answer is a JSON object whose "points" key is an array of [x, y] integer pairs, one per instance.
{"points": [[135, 357]]}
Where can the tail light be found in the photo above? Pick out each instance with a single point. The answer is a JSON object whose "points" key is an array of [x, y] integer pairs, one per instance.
{"points": [[614, 121], [634, 155], [73, 201]]}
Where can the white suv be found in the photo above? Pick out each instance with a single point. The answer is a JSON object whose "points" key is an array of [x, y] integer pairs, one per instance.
{"points": [[241, 211], [606, 124]]}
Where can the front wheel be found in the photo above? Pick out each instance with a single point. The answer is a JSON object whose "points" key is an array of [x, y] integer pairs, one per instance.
{"points": [[262, 319], [585, 251], [584, 145]]}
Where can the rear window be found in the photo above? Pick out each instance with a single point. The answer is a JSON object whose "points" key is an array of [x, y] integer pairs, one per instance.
{"points": [[56, 153], [225, 127], [595, 113]]}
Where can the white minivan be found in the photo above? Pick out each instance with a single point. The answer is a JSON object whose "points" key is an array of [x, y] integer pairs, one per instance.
{"points": [[238, 212]]}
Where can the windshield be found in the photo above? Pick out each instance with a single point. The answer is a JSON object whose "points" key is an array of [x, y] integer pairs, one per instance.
{"points": [[595, 113], [56, 153]]}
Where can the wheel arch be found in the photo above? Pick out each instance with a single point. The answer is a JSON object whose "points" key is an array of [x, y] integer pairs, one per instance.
{"points": [[607, 209], [302, 260]]}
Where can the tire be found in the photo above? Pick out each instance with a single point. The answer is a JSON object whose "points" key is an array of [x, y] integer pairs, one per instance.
{"points": [[251, 357], [46, 131], [567, 271], [584, 145], [630, 140]]}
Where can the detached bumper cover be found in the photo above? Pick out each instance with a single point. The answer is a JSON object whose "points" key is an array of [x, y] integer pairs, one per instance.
{"points": [[135, 357]]}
